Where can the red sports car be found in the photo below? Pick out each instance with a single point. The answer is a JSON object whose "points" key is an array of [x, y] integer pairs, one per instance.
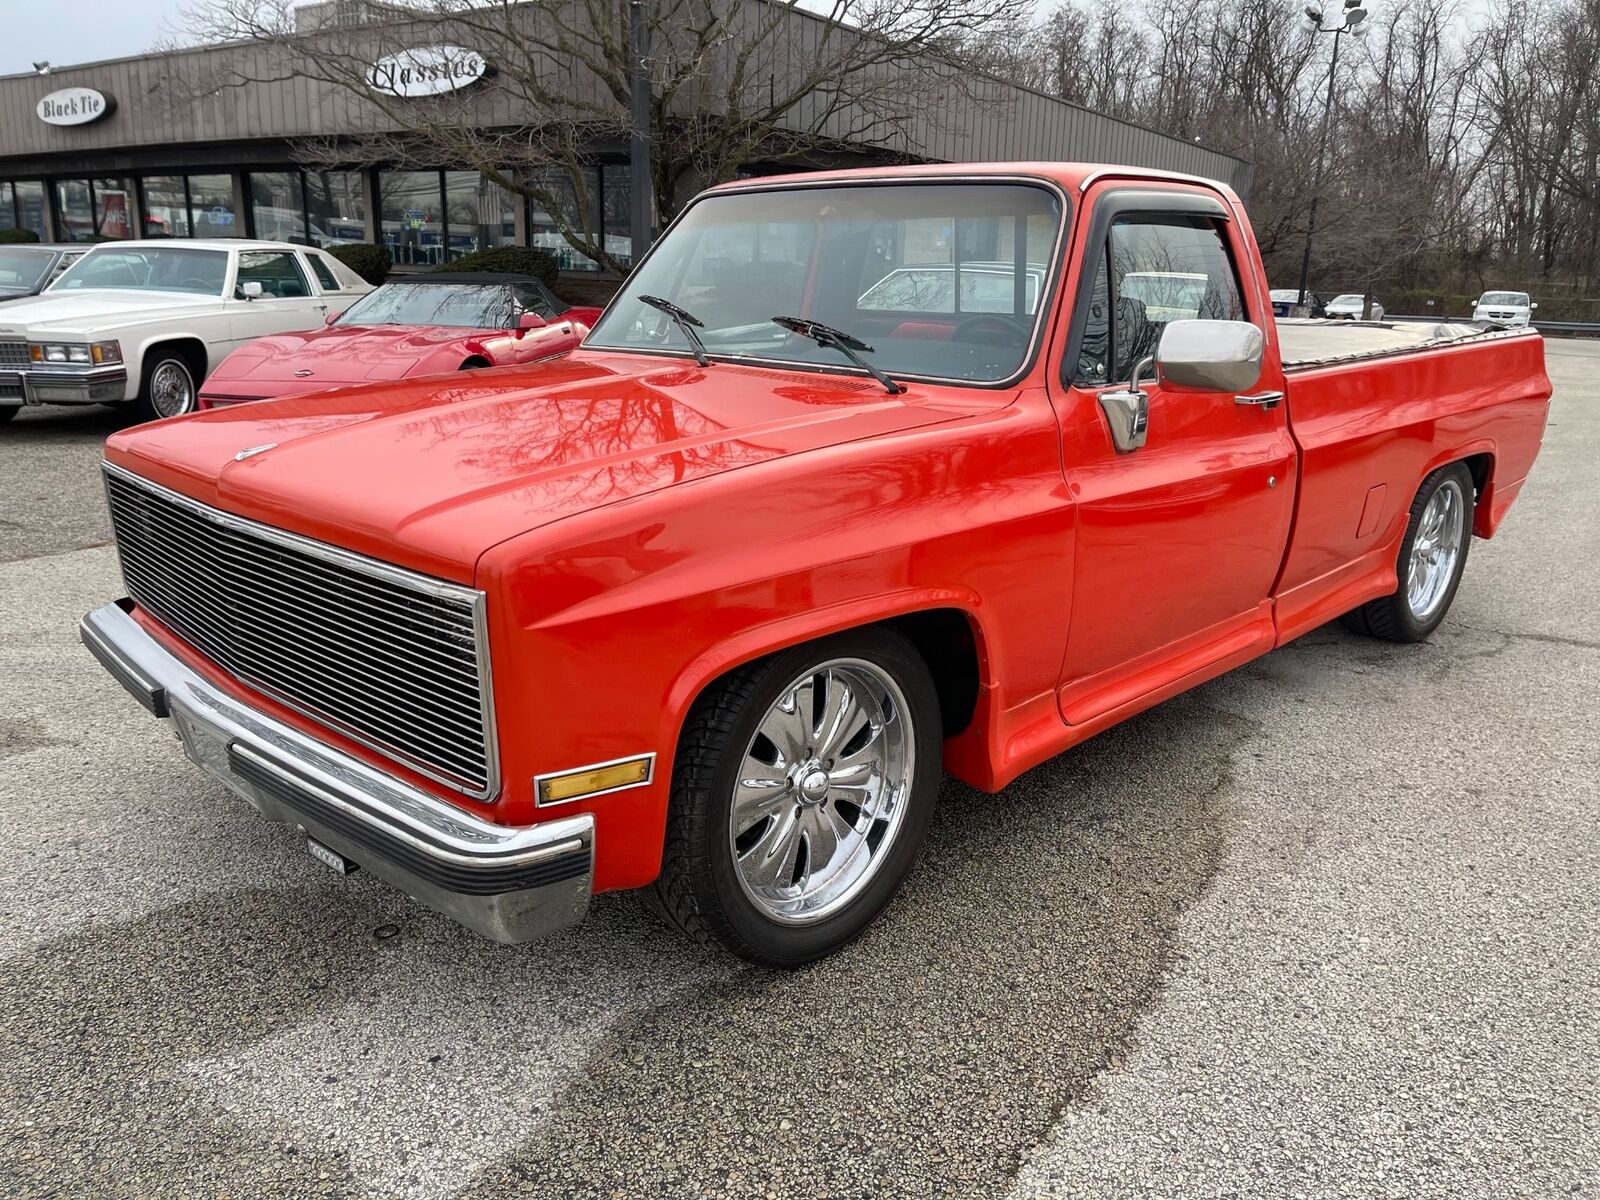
{"points": [[418, 325]]}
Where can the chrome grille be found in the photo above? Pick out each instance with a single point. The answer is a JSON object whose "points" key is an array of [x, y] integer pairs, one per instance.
{"points": [[395, 660], [13, 356]]}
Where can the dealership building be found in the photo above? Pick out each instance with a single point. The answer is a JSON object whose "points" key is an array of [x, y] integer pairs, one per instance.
{"points": [[123, 148]]}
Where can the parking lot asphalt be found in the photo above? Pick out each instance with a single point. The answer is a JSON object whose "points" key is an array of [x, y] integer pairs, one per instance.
{"points": [[1328, 926]]}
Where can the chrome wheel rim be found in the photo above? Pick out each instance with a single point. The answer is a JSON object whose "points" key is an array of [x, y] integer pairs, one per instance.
{"points": [[171, 389], [822, 791], [1436, 549]]}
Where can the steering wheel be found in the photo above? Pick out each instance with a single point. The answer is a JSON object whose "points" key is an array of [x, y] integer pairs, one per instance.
{"points": [[992, 328]]}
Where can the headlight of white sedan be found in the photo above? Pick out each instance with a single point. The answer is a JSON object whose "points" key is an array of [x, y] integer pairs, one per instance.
{"points": [[76, 353]]}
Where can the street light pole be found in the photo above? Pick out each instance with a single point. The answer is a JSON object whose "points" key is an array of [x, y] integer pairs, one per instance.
{"points": [[641, 209], [1354, 14]]}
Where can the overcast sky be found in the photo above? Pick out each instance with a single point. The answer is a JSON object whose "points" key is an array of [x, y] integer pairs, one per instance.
{"points": [[77, 31]]}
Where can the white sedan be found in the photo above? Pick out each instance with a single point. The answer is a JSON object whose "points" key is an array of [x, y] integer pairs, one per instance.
{"points": [[143, 323], [1348, 307]]}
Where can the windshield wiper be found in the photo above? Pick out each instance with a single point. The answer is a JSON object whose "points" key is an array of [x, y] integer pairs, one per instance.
{"points": [[826, 335], [685, 321]]}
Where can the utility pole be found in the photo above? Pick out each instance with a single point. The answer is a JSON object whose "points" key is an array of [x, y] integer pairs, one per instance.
{"points": [[1354, 15], [640, 194]]}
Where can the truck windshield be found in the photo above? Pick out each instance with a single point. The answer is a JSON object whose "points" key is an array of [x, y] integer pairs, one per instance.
{"points": [[153, 269], [880, 261]]}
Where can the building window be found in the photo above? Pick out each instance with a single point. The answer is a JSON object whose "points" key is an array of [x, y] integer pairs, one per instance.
{"points": [[479, 214], [546, 235], [8, 207], [337, 207], [30, 207], [166, 206], [211, 207], [75, 205], [411, 212], [278, 206], [616, 215], [113, 208]]}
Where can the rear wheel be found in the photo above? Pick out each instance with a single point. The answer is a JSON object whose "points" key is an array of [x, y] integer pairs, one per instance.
{"points": [[801, 794], [1433, 557], [167, 388]]}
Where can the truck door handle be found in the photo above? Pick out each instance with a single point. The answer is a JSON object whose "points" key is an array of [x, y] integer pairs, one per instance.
{"points": [[1261, 399]]}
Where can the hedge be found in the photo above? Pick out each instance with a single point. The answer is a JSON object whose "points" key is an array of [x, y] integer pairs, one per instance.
{"points": [[509, 260], [370, 262], [8, 236]]}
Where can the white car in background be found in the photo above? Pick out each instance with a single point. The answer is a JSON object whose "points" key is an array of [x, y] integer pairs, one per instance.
{"points": [[143, 323], [1348, 307], [1509, 310]]}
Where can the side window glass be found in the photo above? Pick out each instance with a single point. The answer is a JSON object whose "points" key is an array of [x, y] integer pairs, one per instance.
{"points": [[323, 272], [277, 272], [1165, 268]]}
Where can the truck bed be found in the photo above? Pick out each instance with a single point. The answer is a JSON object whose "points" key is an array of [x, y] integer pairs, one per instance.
{"points": [[1305, 342]]}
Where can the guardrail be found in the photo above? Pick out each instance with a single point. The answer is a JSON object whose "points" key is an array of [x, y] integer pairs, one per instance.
{"points": [[1572, 328]]}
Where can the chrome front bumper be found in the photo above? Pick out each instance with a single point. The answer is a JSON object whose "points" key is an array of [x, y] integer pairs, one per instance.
{"points": [[90, 385], [510, 884]]}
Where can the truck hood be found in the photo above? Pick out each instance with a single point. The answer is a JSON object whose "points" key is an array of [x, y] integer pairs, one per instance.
{"points": [[91, 309], [431, 472], [340, 354]]}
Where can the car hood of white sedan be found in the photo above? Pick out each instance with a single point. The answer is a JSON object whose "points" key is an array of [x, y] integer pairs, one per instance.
{"points": [[91, 308]]}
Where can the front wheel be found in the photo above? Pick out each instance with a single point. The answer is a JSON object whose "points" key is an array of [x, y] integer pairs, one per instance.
{"points": [[801, 794], [168, 387], [1433, 557]]}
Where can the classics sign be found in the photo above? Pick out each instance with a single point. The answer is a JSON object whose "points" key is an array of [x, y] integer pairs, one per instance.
{"points": [[426, 71], [74, 106]]}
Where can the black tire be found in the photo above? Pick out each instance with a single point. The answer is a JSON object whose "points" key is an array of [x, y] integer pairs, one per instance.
{"points": [[156, 363], [698, 889], [8, 411], [1391, 617]]}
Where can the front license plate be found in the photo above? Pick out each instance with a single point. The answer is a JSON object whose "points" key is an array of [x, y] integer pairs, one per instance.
{"points": [[330, 858]]}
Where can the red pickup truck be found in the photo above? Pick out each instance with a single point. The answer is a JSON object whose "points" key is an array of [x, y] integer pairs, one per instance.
{"points": [[862, 477]]}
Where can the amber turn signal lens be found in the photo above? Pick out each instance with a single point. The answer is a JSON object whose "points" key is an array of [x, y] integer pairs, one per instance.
{"points": [[630, 772]]}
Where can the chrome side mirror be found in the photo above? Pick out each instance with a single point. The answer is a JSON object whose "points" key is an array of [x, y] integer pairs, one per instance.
{"points": [[1127, 411], [250, 290], [1210, 356]]}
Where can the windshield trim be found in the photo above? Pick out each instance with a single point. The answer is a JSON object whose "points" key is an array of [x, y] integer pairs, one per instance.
{"points": [[779, 183]]}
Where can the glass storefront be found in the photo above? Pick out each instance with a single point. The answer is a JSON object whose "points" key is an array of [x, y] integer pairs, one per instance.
{"points": [[425, 218]]}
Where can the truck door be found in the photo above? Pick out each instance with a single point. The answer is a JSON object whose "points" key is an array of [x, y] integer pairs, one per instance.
{"points": [[1178, 541]]}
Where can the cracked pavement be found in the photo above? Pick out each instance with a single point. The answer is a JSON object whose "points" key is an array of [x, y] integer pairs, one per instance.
{"points": [[1324, 927]]}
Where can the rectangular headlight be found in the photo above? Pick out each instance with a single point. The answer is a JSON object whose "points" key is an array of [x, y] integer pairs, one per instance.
{"points": [[77, 353], [55, 354]]}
